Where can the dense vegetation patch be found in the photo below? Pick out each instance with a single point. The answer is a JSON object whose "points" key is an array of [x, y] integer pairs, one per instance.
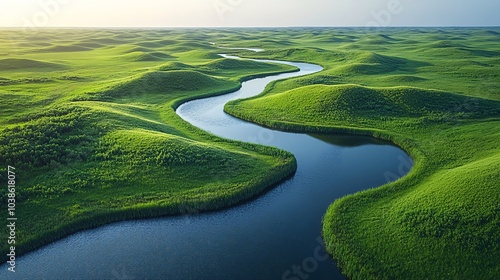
{"points": [[52, 138]]}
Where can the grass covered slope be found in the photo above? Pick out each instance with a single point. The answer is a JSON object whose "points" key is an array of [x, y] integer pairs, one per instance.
{"points": [[438, 101], [94, 138], [323, 103]]}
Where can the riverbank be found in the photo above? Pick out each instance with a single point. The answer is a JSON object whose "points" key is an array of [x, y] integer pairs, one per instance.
{"points": [[111, 148], [304, 197], [440, 221]]}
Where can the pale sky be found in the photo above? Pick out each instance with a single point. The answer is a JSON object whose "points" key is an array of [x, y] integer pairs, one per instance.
{"points": [[245, 13]]}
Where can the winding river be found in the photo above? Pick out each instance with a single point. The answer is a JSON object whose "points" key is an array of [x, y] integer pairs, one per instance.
{"points": [[275, 236]]}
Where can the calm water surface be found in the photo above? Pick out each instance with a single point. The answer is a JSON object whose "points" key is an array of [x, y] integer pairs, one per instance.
{"points": [[275, 236]]}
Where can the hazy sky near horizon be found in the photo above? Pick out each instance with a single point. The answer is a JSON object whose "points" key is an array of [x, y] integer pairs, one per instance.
{"points": [[225, 13]]}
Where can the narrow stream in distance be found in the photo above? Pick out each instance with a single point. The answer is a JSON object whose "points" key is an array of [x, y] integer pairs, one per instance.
{"points": [[275, 236]]}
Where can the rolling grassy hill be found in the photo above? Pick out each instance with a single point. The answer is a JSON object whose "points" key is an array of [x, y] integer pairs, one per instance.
{"points": [[437, 99], [21, 64], [357, 103], [87, 118]]}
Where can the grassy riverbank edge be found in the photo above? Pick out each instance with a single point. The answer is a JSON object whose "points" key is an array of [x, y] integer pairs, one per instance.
{"points": [[346, 249], [191, 206], [187, 205]]}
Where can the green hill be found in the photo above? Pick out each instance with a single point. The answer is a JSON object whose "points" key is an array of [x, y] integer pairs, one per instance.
{"points": [[160, 83], [197, 55], [341, 102], [175, 65], [165, 82], [138, 56], [28, 64], [65, 48], [125, 49], [232, 64], [402, 79]]}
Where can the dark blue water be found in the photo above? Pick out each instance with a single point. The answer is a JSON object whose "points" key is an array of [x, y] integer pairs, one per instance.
{"points": [[275, 236]]}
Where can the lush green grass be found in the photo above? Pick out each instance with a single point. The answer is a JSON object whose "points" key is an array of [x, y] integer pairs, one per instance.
{"points": [[433, 92], [87, 118]]}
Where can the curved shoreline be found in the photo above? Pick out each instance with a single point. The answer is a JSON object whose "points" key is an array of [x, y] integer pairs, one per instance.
{"points": [[399, 141], [172, 210], [410, 147], [191, 206]]}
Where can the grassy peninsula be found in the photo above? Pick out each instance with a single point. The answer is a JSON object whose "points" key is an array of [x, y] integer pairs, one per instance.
{"points": [[87, 118], [434, 92]]}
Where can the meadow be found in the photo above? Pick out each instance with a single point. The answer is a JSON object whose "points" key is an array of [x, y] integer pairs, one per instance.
{"points": [[88, 119], [433, 92]]}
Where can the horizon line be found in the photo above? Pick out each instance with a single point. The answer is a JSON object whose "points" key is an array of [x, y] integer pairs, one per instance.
{"points": [[244, 27]]}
